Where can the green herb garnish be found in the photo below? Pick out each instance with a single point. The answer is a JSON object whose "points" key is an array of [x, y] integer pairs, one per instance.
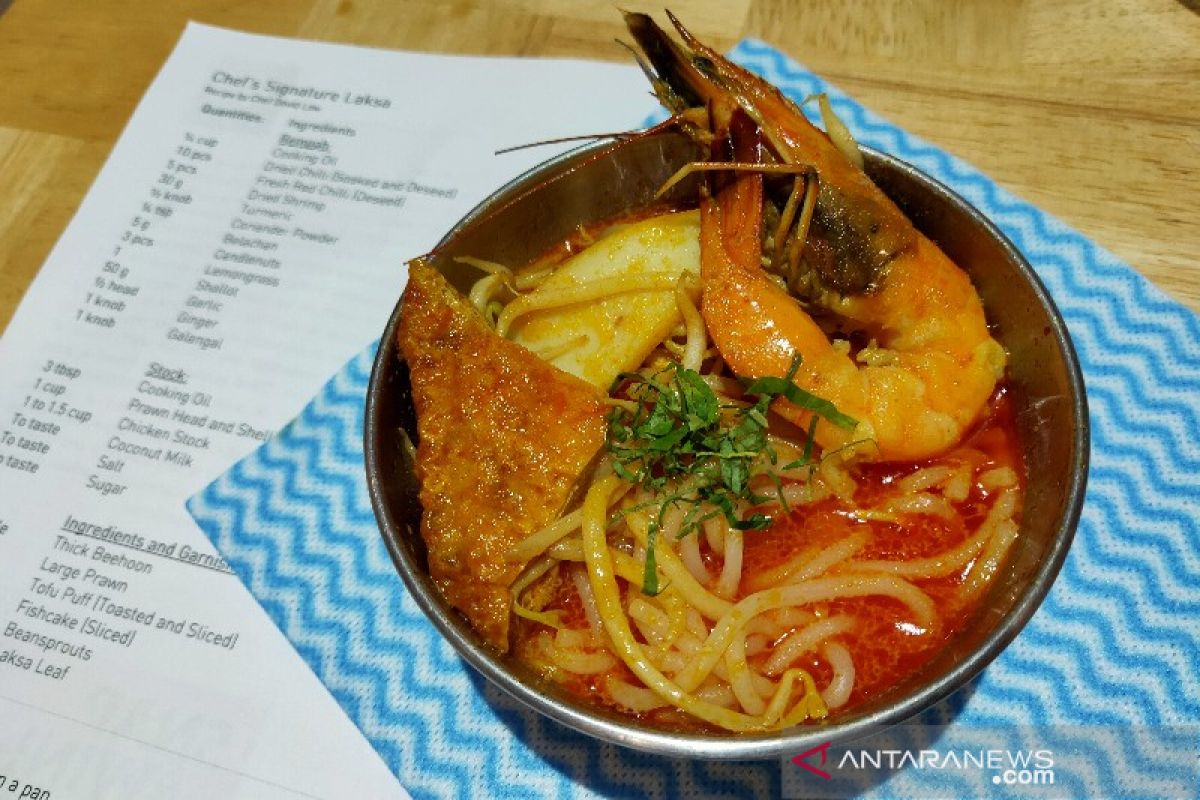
{"points": [[683, 444]]}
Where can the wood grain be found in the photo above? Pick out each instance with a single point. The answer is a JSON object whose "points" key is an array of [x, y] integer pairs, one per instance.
{"points": [[1085, 107]]}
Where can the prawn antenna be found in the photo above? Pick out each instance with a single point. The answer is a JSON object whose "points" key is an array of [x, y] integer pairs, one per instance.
{"points": [[583, 137]]}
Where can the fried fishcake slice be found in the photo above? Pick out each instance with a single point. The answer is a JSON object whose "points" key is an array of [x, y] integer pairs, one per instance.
{"points": [[503, 438]]}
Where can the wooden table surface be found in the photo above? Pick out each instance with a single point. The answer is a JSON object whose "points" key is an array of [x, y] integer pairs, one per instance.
{"points": [[1087, 108]]}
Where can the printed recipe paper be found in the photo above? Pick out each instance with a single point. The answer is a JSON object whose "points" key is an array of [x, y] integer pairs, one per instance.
{"points": [[246, 237]]}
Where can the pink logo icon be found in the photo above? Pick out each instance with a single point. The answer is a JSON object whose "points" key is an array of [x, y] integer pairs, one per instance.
{"points": [[823, 749]]}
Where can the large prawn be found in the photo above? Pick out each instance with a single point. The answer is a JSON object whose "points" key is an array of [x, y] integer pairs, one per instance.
{"points": [[929, 365]]}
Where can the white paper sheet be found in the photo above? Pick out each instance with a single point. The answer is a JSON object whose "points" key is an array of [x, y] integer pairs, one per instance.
{"points": [[246, 236]]}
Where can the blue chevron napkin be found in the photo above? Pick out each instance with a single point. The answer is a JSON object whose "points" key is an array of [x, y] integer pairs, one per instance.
{"points": [[1115, 647]]}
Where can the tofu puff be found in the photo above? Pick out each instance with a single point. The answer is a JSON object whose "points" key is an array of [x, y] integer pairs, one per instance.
{"points": [[503, 437]]}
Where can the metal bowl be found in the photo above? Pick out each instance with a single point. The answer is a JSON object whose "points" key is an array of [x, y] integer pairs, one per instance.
{"points": [[543, 207]]}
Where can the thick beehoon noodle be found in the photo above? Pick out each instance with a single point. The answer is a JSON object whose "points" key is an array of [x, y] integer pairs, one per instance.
{"points": [[724, 570]]}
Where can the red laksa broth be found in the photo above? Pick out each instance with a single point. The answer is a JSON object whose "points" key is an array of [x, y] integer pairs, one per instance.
{"points": [[884, 644]]}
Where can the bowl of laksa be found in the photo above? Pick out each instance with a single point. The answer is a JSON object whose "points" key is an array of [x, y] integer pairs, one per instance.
{"points": [[730, 437]]}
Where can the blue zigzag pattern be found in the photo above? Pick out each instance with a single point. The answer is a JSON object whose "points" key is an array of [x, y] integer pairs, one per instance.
{"points": [[1115, 644]]}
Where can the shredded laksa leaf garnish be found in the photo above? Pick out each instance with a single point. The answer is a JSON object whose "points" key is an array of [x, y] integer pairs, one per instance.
{"points": [[681, 444]]}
